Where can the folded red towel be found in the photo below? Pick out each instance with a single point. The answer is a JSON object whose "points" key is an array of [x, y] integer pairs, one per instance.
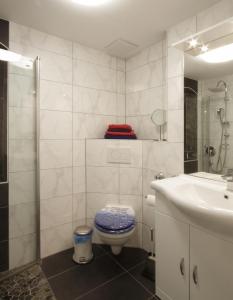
{"points": [[119, 130], [110, 133], [119, 126], [120, 137]]}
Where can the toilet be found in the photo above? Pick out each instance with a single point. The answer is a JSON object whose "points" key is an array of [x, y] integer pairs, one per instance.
{"points": [[115, 225]]}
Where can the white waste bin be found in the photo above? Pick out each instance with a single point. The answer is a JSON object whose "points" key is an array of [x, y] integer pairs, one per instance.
{"points": [[83, 244]]}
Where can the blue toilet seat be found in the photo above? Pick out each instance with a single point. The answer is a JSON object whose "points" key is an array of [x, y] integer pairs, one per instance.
{"points": [[114, 220], [120, 231]]}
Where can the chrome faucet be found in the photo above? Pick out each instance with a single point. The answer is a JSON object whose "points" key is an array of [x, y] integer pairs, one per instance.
{"points": [[229, 179], [159, 176], [229, 175]]}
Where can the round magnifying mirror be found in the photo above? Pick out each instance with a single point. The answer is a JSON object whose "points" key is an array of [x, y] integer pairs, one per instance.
{"points": [[158, 117]]}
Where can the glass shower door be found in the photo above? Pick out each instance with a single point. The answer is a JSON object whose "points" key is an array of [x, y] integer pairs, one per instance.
{"points": [[23, 169], [3, 122], [204, 146], [4, 206], [190, 129]]}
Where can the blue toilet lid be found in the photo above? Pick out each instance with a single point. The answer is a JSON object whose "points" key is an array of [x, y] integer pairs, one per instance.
{"points": [[114, 219]]}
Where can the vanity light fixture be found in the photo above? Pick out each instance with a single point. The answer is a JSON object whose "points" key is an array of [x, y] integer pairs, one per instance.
{"points": [[23, 63], [7, 55], [193, 43], [16, 59], [204, 48], [218, 55], [91, 2]]}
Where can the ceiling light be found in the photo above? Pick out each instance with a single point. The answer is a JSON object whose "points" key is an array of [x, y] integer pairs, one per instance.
{"points": [[6, 55], [218, 55], [193, 43], [204, 48], [91, 2]]}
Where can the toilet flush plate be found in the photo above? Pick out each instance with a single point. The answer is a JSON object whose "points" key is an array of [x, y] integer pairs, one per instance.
{"points": [[119, 155]]}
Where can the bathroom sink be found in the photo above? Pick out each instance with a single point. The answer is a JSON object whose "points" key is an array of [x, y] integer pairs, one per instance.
{"points": [[206, 202]]}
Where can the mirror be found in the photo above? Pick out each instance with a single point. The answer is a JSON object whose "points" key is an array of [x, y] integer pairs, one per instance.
{"points": [[208, 100], [158, 117]]}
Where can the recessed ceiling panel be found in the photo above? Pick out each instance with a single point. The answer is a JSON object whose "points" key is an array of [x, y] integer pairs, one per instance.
{"points": [[121, 48]]}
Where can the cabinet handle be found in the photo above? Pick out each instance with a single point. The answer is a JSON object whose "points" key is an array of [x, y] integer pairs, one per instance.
{"points": [[195, 277], [182, 266]]}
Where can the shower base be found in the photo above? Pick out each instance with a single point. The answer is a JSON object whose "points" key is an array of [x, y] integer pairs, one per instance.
{"points": [[29, 283]]}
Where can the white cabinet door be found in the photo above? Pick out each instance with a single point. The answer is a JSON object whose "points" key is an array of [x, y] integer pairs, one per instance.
{"points": [[211, 267], [172, 258]]}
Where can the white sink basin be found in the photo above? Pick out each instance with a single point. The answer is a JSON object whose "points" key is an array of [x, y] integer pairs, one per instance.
{"points": [[206, 202]]}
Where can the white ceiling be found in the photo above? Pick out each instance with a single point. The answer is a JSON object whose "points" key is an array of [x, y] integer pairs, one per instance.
{"points": [[195, 68], [140, 22]]}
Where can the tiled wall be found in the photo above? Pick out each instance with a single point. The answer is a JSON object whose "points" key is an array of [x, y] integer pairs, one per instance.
{"points": [[147, 75], [175, 96], [158, 157], [109, 183], [81, 91], [145, 89]]}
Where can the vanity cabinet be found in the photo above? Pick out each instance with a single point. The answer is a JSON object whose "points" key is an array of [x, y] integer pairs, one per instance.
{"points": [[172, 258], [190, 263], [212, 260]]}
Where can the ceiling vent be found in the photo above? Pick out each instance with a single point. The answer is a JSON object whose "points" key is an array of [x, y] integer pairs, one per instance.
{"points": [[121, 48]]}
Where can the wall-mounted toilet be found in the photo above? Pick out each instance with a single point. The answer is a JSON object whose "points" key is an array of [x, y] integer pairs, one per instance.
{"points": [[115, 225]]}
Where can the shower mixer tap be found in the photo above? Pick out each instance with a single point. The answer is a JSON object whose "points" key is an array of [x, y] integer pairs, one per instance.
{"points": [[210, 151]]}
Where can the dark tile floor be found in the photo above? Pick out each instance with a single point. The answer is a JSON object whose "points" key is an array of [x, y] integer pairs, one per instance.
{"points": [[107, 277]]}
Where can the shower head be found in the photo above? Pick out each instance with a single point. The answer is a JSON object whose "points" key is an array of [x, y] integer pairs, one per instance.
{"points": [[220, 87], [217, 89], [221, 82]]}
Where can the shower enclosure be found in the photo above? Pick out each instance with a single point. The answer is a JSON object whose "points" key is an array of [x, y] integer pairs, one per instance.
{"points": [[205, 142], [215, 134], [22, 172], [207, 128], [218, 156]]}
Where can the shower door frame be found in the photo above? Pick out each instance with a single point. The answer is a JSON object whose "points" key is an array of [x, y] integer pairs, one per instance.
{"points": [[37, 164], [36, 66]]}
